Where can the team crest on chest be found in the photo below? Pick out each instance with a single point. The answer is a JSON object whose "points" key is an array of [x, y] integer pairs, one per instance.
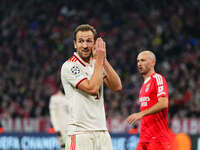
{"points": [[147, 87], [75, 70]]}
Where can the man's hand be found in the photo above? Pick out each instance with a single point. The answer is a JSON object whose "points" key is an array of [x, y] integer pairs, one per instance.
{"points": [[134, 117], [99, 49]]}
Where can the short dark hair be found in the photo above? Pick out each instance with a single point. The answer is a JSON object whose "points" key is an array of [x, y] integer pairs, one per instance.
{"points": [[85, 27]]}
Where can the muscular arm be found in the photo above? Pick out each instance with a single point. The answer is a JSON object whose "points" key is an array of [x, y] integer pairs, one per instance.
{"points": [[112, 79], [93, 85], [160, 105]]}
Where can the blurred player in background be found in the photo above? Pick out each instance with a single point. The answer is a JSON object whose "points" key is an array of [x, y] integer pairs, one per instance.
{"points": [[82, 77], [153, 98], [58, 109]]}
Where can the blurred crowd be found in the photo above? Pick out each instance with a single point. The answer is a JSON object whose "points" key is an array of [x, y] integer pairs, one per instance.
{"points": [[36, 39]]}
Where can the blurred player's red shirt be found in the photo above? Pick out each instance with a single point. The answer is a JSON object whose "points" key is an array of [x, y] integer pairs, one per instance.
{"points": [[154, 127]]}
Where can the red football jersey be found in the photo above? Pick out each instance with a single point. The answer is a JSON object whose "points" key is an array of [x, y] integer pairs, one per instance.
{"points": [[154, 127]]}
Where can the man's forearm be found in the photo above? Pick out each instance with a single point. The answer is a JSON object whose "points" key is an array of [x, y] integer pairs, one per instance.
{"points": [[112, 77], [160, 105], [96, 79]]}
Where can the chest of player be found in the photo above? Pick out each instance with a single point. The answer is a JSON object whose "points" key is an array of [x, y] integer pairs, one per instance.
{"points": [[148, 95]]}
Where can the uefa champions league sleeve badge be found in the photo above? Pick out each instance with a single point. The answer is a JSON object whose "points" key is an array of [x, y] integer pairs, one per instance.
{"points": [[75, 70]]}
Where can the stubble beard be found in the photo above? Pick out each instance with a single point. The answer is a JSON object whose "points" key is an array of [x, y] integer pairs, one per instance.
{"points": [[85, 58], [143, 71]]}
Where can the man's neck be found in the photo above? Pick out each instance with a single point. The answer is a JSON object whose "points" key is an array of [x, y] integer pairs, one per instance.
{"points": [[87, 60], [148, 74]]}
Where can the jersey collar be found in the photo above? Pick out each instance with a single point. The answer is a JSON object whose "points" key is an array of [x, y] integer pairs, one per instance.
{"points": [[80, 59], [145, 81]]}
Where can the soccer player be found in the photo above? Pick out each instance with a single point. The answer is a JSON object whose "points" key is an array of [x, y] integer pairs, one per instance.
{"points": [[58, 109], [153, 98], [82, 77]]}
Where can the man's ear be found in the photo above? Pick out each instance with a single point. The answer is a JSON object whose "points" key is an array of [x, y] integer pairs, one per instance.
{"points": [[154, 63], [75, 44]]}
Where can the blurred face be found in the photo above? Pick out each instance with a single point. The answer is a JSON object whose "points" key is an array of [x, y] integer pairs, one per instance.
{"points": [[145, 63], [84, 44]]}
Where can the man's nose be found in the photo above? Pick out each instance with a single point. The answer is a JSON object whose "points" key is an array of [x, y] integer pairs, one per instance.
{"points": [[138, 64], [84, 44]]}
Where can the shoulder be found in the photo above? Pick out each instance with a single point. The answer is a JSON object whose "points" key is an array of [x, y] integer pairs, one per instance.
{"points": [[71, 68], [69, 61], [66, 64], [54, 96], [72, 61], [158, 78]]}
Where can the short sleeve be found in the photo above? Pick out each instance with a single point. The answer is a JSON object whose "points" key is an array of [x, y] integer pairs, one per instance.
{"points": [[161, 86], [72, 74]]}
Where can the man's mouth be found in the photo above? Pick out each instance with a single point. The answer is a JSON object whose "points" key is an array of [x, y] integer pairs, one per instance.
{"points": [[85, 50], [140, 68]]}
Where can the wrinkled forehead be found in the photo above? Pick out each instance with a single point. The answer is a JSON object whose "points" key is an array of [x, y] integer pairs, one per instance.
{"points": [[85, 35]]}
